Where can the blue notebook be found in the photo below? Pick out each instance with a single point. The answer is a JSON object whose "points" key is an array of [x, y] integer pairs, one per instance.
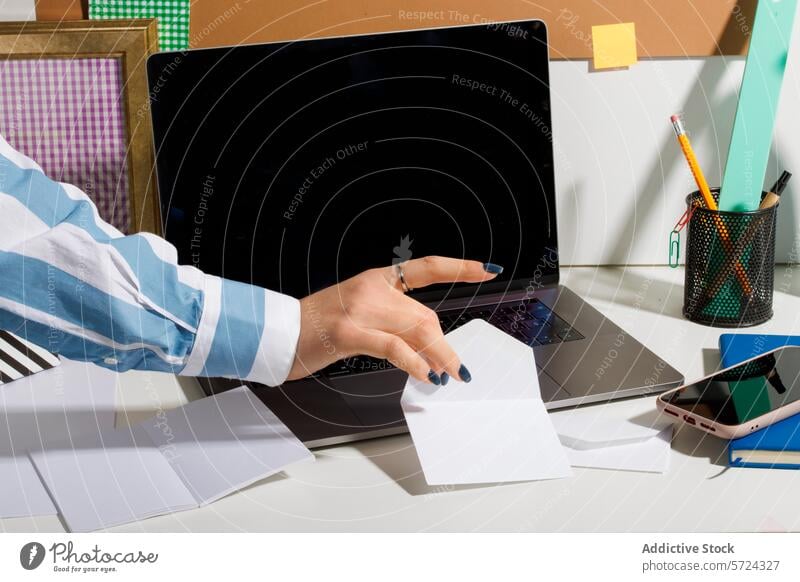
{"points": [[778, 445], [735, 348]]}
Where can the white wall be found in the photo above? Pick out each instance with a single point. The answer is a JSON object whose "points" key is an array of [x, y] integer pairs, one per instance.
{"points": [[17, 10], [620, 175]]}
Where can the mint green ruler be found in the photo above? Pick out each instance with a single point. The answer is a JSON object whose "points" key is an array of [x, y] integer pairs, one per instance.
{"points": [[758, 102]]}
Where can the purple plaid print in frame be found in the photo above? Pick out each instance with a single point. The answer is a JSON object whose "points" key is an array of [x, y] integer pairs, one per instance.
{"points": [[68, 116]]}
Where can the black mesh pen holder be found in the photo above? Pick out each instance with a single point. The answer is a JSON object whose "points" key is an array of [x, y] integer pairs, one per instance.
{"points": [[730, 265]]}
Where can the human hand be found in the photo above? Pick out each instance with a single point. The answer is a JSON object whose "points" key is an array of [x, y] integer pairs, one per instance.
{"points": [[370, 315]]}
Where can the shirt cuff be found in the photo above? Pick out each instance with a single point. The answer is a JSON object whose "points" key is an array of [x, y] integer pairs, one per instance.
{"points": [[206, 329], [245, 332], [276, 351]]}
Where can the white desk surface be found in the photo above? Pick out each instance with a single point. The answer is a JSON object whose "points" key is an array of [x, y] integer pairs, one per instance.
{"points": [[377, 485]]}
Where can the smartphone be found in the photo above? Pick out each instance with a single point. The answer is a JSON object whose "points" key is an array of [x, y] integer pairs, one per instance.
{"points": [[739, 400]]}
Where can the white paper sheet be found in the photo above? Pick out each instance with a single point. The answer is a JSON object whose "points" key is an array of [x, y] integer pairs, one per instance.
{"points": [[106, 480], [179, 460], [651, 455], [609, 424], [220, 444], [22, 494], [493, 429], [72, 399], [627, 435]]}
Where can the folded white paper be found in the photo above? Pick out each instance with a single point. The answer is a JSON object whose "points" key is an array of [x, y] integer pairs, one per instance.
{"points": [[220, 444], [609, 424], [21, 492], [178, 460], [651, 455], [110, 478], [69, 400], [626, 435], [492, 429]]}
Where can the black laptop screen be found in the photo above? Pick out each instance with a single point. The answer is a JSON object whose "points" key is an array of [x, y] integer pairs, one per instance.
{"points": [[297, 165]]}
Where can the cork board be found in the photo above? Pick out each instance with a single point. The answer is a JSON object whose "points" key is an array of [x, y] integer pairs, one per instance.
{"points": [[61, 9], [664, 28]]}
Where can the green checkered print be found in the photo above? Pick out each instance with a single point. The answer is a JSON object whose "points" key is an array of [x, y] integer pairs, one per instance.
{"points": [[172, 15]]}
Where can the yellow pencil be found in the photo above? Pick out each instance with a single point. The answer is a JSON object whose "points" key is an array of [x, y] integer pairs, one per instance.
{"points": [[711, 204], [686, 147]]}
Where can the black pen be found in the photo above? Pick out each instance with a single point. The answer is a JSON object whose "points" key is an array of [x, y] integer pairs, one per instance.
{"points": [[772, 197], [781, 183]]}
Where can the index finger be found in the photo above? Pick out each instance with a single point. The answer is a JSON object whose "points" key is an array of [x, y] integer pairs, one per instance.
{"points": [[433, 269]]}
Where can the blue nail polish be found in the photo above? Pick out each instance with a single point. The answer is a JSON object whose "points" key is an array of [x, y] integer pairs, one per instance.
{"points": [[492, 268], [445, 378], [434, 378], [464, 373]]}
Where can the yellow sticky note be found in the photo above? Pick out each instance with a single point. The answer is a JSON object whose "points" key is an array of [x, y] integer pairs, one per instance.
{"points": [[614, 45]]}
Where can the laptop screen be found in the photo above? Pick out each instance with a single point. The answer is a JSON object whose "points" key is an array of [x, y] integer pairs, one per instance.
{"points": [[297, 165]]}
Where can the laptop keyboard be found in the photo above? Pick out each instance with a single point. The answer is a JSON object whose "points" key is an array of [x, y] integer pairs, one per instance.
{"points": [[532, 323]]}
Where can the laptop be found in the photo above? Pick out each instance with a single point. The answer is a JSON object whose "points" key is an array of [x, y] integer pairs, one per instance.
{"points": [[294, 165]]}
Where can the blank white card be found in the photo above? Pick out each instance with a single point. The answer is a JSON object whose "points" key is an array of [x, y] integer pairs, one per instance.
{"points": [[492, 429]]}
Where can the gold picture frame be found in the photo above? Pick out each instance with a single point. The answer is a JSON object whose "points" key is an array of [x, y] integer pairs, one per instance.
{"points": [[128, 42]]}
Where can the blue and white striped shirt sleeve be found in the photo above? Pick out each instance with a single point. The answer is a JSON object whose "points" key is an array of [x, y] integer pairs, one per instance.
{"points": [[75, 285]]}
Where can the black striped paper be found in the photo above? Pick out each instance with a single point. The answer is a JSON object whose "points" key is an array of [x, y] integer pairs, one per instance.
{"points": [[20, 358]]}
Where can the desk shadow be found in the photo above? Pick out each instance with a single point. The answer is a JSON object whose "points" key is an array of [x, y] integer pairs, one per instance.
{"points": [[711, 361], [401, 465], [127, 416], [271, 479], [627, 287], [648, 419], [52, 430], [190, 387], [696, 443], [786, 279]]}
